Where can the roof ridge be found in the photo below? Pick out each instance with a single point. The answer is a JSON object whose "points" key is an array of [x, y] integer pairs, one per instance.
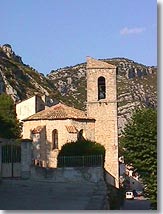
{"points": [[66, 106], [59, 111]]}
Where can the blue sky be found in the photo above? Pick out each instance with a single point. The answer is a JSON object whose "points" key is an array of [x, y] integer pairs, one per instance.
{"points": [[56, 33]]}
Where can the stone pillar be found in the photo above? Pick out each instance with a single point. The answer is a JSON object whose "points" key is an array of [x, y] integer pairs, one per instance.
{"points": [[26, 158]]}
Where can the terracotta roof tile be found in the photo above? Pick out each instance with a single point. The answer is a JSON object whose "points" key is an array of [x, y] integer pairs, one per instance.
{"points": [[59, 111], [38, 129]]}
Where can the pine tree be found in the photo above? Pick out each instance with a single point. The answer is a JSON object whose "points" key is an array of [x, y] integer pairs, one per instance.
{"points": [[9, 125], [139, 143]]}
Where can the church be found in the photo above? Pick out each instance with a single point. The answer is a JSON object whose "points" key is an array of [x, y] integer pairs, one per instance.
{"points": [[52, 127]]}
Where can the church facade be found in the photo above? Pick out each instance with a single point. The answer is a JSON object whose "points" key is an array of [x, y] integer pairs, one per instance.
{"points": [[57, 125]]}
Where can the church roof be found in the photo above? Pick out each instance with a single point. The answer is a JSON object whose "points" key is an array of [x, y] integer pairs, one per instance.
{"points": [[59, 111]]}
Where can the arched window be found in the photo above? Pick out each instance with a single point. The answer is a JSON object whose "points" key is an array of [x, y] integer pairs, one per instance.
{"points": [[55, 139], [101, 88]]}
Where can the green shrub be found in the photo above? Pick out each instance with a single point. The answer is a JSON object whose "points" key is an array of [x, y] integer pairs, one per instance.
{"points": [[82, 153], [82, 147]]}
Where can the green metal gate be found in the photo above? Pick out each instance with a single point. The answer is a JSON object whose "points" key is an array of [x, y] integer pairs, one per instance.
{"points": [[11, 160]]}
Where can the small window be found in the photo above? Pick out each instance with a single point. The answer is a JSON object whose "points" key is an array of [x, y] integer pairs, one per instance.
{"points": [[55, 139], [81, 135], [101, 88]]}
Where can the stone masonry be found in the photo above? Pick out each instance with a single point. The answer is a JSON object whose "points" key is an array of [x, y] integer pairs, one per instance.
{"points": [[98, 124], [104, 111]]}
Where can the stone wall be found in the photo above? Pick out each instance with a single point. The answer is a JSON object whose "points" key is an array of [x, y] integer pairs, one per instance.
{"points": [[99, 199], [39, 143], [63, 135], [104, 111], [44, 138], [68, 174], [88, 128], [26, 158]]}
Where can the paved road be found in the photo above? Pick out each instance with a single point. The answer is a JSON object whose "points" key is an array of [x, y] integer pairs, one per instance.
{"points": [[34, 195], [136, 204]]}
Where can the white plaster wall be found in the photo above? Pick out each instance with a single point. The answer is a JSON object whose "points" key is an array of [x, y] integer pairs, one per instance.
{"points": [[26, 108]]}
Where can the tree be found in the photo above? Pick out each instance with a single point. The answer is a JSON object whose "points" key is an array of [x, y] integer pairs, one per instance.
{"points": [[10, 127], [139, 143]]}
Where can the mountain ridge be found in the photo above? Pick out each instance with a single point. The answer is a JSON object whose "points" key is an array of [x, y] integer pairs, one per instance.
{"points": [[136, 83]]}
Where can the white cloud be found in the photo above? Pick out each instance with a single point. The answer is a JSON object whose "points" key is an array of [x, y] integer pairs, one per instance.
{"points": [[136, 30]]}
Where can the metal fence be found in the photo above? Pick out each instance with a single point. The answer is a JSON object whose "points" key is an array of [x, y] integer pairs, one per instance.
{"points": [[80, 161], [11, 153], [10, 160]]}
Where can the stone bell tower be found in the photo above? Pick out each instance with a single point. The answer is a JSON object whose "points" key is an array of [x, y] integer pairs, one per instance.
{"points": [[102, 106]]}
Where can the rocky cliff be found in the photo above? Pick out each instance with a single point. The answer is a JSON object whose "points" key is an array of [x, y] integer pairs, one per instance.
{"points": [[136, 83], [20, 80]]}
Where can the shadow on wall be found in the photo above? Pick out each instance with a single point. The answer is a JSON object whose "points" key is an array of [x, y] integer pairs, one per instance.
{"points": [[44, 156], [81, 135], [109, 179], [115, 195], [45, 152]]}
